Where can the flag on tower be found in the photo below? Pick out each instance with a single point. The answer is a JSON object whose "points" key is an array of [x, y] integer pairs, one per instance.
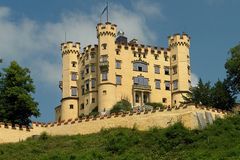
{"points": [[105, 9]]}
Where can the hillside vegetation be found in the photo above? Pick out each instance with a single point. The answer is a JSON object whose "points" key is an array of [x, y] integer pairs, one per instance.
{"points": [[218, 141]]}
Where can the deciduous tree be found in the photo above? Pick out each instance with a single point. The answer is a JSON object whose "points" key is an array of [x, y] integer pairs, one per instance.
{"points": [[16, 88]]}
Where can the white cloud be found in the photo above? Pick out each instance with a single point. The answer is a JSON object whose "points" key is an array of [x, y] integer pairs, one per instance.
{"points": [[133, 24], [37, 46], [194, 79], [148, 8]]}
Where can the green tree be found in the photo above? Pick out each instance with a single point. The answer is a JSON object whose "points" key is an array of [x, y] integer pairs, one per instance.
{"points": [[120, 106], [201, 94], [16, 88], [222, 96], [233, 69]]}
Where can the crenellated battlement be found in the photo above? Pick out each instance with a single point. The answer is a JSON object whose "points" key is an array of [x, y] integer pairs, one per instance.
{"points": [[106, 29], [15, 127], [179, 40], [90, 48], [143, 48], [166, 110], [192, 116], [70, 47]]}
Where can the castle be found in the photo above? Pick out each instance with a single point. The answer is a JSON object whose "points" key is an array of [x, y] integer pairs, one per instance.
{"points": [[116, 69]]}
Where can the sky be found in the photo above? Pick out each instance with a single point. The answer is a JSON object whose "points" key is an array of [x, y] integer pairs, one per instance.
{"points": [[31, 32]]}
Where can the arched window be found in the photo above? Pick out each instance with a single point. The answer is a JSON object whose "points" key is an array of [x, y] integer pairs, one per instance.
{"points": [[140, 66]]}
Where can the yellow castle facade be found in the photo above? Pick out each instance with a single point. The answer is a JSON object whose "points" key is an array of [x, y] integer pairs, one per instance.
{"points": [[115, 68]]}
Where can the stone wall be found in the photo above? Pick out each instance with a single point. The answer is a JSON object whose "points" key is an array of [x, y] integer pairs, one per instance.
{"points": [[191, 116]]}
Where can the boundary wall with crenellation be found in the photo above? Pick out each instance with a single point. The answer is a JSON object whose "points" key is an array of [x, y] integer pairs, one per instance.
{"points": [[191, 116]]}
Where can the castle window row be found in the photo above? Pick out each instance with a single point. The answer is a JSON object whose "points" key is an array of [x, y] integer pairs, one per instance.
{"points": [[86, 87]]}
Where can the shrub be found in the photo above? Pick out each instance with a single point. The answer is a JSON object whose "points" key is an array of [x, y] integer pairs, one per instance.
{"points": [[94, 112], [44, 136], [121, 106], [155, 104]]}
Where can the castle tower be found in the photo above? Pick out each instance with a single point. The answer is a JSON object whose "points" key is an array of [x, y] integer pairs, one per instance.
{"points": [[180, 66], [106, 34], [69, 106]]}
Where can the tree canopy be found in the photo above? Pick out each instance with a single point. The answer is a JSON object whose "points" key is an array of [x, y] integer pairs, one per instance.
{"points": [[16, 102], [233, 69], [219, 95]]}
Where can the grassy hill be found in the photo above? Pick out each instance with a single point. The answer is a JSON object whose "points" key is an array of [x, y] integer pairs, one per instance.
{"points": [[218, 141]]}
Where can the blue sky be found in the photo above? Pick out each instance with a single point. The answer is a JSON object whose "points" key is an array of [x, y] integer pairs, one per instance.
{"points": [[31, 33]]}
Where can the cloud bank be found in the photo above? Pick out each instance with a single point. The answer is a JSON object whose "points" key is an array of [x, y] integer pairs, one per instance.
{"points": [[37, 45]]}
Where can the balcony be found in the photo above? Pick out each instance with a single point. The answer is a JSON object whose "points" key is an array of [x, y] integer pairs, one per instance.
{"points": [[103, 65], [142, 87]]}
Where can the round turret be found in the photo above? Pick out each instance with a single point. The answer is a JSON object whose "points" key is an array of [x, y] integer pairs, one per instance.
{"points": [[106, 34], [180, 66], [69, 107]]}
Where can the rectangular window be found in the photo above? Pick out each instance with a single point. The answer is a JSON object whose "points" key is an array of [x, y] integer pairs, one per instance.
{"points": [[93, 83], [189, 71], [104, 58], [118, 64], [137, 98], [87, 85], [93, 100], [166, 71], [140, 81], [117, 52], [104, 46], [73, 91], [92, 55], [87, 56], [71, 106], [174, 70], [175, 84], [82, 87], [174, 57], [74, 64], [92, 68], [139, 66], [104, 76], [82, 74], [87, 69], [164, 100], [167, 85], [189, 84], [82, 106], [166, 58], [157, 84], [157, 69], [74, 76], [118, 79]]}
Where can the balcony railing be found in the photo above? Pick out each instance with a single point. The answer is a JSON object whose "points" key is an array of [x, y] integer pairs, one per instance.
{"points": [[103, 65], [141, 87]]}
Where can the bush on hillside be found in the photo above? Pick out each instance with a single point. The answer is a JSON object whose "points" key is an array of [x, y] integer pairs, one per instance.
{"points": [[121, 106], [155, 104]]}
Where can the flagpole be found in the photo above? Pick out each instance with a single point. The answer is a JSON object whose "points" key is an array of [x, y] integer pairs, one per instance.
{"points": [[107, 11]]}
